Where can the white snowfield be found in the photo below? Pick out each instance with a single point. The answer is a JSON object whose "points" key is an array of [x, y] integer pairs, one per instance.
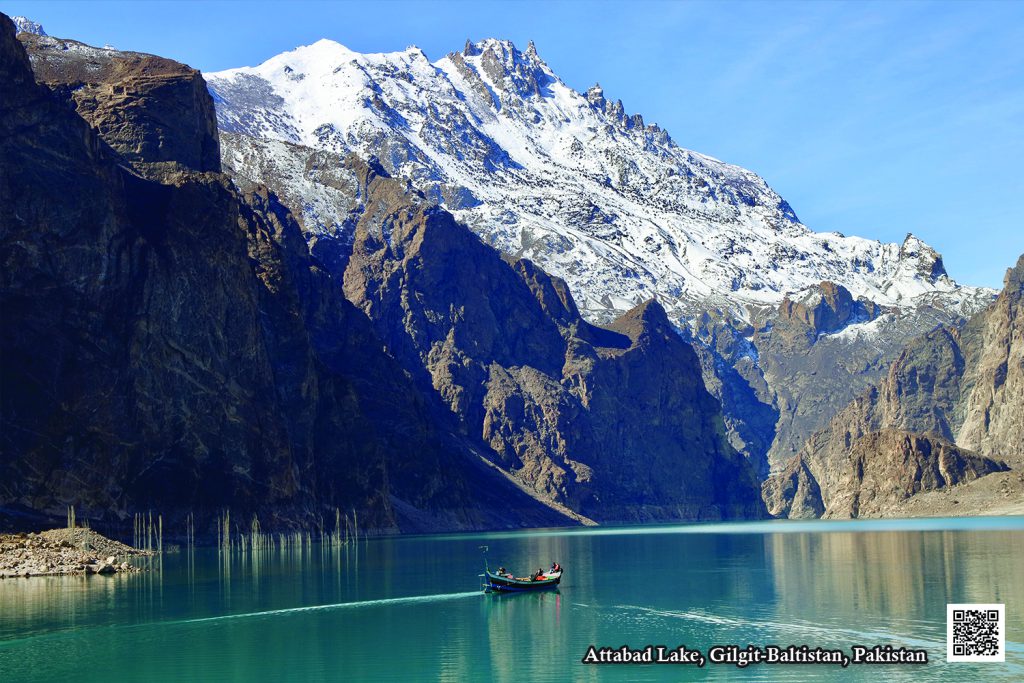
{"points": [[567, 179]]}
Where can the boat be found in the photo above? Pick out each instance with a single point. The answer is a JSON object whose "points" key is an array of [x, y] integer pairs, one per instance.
{"points": [[505, 583]]}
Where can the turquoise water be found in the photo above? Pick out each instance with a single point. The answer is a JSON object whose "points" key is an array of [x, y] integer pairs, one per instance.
{"points": [[410, 609]]}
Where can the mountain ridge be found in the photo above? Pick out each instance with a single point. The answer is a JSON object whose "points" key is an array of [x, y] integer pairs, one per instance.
{"points": [[494, 112], [26, 25], [436, 218]]}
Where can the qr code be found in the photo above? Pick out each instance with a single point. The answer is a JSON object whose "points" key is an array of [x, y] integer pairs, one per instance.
{"points": [[975, 633]]}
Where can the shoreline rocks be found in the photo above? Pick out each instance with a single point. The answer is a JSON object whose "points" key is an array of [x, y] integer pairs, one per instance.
{"points": [[64, 551]]}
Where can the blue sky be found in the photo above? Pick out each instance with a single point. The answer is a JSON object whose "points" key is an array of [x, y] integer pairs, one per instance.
{"points": [[871, 118]]}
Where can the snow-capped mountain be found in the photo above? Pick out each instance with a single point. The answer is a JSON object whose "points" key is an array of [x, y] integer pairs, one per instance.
{"points": [[568, 179], [26, 25], [607, 202]]}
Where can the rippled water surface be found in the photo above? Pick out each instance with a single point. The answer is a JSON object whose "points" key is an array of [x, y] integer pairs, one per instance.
{"points": [[410, 608]]}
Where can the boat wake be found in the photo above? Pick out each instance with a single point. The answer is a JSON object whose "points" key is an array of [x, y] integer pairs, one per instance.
{"points": [[790, 626], [77, 632], [411, 600]]}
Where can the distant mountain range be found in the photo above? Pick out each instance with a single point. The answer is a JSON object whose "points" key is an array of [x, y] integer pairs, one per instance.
{"points": [[444, 295]]}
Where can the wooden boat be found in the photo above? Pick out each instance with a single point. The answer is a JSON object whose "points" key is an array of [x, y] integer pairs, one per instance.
{"points": [[495, 583]]}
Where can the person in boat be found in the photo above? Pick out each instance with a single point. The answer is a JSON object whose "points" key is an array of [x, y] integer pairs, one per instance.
{"points": [[555, 567], [537, 574]]}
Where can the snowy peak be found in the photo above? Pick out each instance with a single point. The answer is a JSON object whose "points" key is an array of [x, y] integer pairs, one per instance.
{"points": [[316, 94], [26, 25]]}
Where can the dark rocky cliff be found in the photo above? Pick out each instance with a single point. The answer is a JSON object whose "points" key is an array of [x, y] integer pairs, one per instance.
{"points": [[169, 343]]}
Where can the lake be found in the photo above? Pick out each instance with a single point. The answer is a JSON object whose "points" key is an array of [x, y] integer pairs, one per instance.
{"points": [[410, 608]]}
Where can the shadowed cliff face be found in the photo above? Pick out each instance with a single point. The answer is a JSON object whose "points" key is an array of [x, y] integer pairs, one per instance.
{"points": [[952, 405], [614, 423], [501, 344], [169, 343]]}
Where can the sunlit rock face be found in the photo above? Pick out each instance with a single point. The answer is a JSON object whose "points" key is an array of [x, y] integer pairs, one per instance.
{"points": [[154, 112]]}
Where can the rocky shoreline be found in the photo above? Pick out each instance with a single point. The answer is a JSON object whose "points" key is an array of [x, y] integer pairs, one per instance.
{"points": [[65, 551]]}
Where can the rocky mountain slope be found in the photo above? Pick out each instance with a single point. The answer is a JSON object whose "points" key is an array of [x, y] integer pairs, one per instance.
{"points": [[173, 340], [613, 423], [949, 410], [824, 347], [168, 343], [603, 200]]}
